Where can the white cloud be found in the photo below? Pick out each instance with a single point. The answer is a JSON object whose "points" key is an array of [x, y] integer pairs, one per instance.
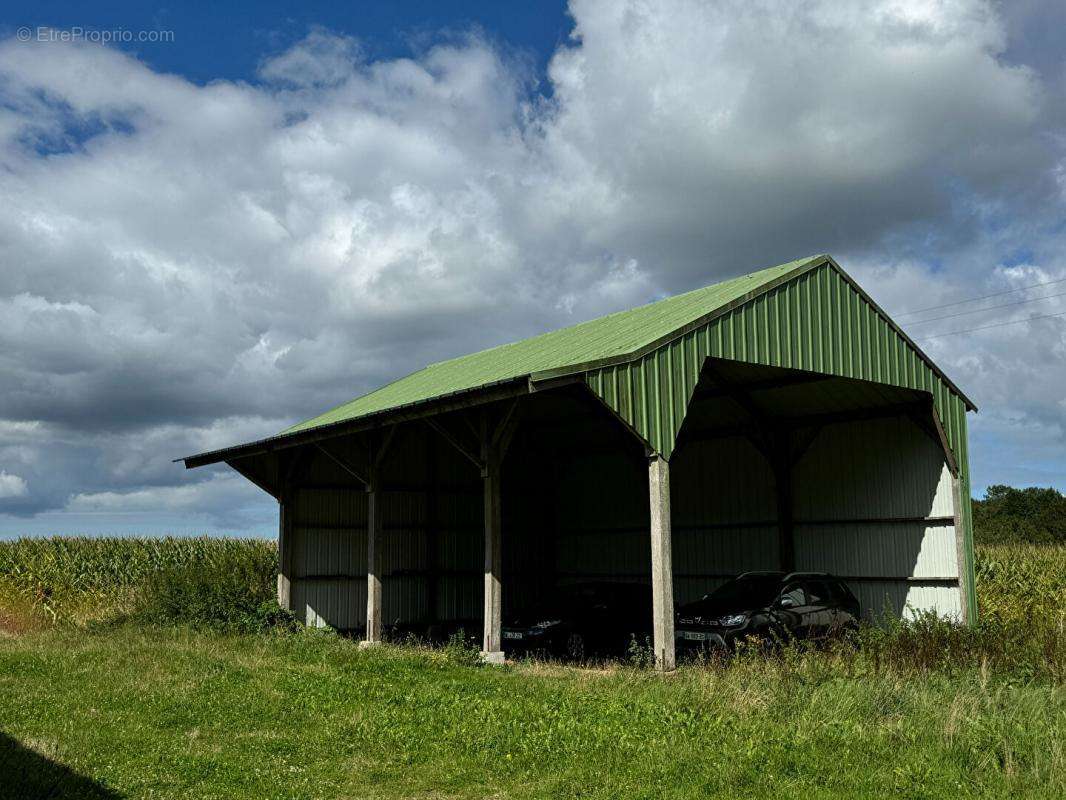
{"points": [[12, 485], [219, 493], [321, 59], [189, 266], [719, 125]]}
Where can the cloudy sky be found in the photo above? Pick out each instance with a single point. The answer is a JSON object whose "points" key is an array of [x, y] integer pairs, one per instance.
{"points": [[206, 239]]}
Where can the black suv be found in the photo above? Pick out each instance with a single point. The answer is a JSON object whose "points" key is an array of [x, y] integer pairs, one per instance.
{"points": [[581, 619], [768, 606]]}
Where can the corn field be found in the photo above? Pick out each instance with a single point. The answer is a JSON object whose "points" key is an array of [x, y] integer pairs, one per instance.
{"points": [[79, 579], [1022, 582]]}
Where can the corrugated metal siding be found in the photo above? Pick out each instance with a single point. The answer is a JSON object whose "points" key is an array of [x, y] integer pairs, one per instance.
{"points": [[602, 532], [531, 518], [878, 550], [873, 468], [720, 491], [326, 552], [404, 557], [460, 550], [879, 469], [328, 545], [339, 604], [900, 598], [420, 556], [815, 322], [329, 557]]}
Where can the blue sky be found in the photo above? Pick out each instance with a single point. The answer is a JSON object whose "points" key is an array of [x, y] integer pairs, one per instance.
{"points": [[215, 41], [209, 238]]}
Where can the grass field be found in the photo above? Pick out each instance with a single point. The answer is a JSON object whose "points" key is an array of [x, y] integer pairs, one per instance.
{"points": [[174, 713], [102, 695]]}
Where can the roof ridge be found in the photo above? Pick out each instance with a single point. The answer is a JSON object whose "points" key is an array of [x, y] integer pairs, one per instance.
{"points": [[622, 311]]}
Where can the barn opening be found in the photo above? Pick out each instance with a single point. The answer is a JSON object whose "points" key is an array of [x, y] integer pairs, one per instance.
{"points": [[779, 420]]}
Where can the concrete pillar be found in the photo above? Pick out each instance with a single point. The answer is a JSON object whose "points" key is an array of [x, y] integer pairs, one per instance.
{"points": [[285, 552], [492, 647], [662, 569], [962, 554], [373, 564]]}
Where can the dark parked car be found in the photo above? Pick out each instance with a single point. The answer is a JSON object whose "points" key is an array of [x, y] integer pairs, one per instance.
{"points": [[581, 619], [768, 606]]}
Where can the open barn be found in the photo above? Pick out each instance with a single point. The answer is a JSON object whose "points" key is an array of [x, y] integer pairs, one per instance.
{"points": [[777, 421]]}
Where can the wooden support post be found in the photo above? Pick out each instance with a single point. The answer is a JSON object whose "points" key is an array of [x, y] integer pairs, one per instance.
{"points": [[662, 571], [288, 463], [962, 554], [285, 550], [373, 562], [374, 530], [493, 439], [492, 647], [494, 443]]}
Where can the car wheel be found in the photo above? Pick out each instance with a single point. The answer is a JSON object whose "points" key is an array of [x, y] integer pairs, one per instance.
{"points": [[575, 646]]}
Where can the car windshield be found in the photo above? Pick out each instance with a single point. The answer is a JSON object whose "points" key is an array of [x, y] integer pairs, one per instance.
{"points": [[566, 600], [759, 589], [747, 591]]}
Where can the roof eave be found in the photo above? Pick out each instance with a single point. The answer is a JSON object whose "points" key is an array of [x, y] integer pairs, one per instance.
{"points": [[452, 401]]}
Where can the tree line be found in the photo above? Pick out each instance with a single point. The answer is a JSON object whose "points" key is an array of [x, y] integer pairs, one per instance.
{"points": [[1007, 514]]}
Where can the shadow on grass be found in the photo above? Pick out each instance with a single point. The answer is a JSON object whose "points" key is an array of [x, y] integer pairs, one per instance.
{"points": [[28, 775]]}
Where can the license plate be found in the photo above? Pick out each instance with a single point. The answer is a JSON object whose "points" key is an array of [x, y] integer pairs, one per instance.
{"points": [[512, 635], [695, 636]]}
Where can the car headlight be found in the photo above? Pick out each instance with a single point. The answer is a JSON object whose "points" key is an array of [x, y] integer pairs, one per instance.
{"points": [[548, 623], [732, 620]]}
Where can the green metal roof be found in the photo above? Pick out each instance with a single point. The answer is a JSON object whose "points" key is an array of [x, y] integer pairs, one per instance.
{"points": [[613, 336], [644, 363]]}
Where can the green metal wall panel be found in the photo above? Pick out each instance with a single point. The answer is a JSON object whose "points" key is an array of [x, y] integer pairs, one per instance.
{"points": [[816, 322]]}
